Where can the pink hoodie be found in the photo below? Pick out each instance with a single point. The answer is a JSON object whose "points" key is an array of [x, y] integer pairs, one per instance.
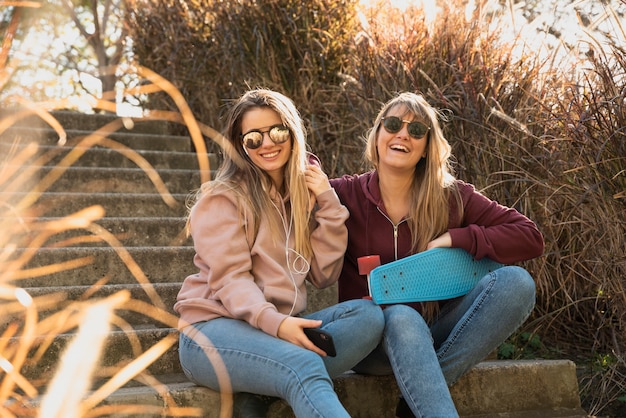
{"points": [[246, 277]]}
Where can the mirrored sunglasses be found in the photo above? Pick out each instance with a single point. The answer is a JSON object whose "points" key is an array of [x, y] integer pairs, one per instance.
{"points": [[394, 124], [254, 139]]}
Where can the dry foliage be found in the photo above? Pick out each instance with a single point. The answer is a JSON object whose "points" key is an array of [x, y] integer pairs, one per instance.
{"points": [[29, 326], [546, 141]]}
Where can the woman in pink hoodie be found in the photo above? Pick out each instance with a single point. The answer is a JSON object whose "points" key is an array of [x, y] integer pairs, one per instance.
{"points": [[268, 222]]}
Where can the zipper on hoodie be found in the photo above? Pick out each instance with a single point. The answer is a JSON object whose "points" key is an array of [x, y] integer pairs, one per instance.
{"points": [[395, 232]]}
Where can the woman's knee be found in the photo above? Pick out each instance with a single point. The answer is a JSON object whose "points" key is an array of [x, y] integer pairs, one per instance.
{"points": [[369, 313], [517, 281], [405, 329], [197, 362], [402, 317]]}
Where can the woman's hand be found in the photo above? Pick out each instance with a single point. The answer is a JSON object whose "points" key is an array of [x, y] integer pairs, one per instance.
{"points": [[291, 329], [442, 241], [316, 180]]}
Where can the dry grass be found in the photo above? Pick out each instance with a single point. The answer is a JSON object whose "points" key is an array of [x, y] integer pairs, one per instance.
{"points": [[27, 334], [547, 141]]}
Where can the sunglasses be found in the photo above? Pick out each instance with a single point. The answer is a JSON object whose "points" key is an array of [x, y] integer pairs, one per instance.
{"points": [[254, 139], [416, 130]]}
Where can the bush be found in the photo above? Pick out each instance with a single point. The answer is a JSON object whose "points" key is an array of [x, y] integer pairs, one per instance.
{"points": [[213, 50], [546, 141]]}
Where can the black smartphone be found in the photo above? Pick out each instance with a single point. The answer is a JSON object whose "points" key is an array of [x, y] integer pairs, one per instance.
{"points": [[322, 339]]}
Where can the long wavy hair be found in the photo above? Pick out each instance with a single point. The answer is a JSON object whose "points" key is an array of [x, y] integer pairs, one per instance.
{"points": [[433, 181], [252, 185]]}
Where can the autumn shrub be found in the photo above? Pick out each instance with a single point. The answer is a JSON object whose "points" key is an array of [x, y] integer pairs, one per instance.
{"points": [[213, 50], [36, 325], [528, 131]]}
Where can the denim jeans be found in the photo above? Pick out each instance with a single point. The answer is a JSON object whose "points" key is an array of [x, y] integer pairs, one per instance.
{"points": [[230, 355], [426, 360]]}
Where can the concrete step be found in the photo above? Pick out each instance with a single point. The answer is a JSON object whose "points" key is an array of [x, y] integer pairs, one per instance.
{"points": [[120, 348], [157, 264], [166, 289], [113, 180], [491, 389], [131, 232], [20, 135], [120, 205], [158, 294], [106, 157], [74, 120]]}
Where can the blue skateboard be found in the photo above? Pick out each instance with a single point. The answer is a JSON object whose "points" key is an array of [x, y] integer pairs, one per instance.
{"points": [[437, 274]]}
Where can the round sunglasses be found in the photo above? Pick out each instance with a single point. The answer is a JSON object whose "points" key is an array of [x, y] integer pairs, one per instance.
{"points": [[393, 124], [254, 139]]}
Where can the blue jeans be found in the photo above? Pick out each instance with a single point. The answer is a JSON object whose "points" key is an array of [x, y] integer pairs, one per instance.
{"points": [[427, 359], [230, 355]]}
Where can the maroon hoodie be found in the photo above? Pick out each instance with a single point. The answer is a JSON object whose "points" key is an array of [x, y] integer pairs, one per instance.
{"points": [[487, 229]]}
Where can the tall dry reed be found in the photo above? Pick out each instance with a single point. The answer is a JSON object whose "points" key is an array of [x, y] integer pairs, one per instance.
{"points": [[545, 139], [31, 324]]}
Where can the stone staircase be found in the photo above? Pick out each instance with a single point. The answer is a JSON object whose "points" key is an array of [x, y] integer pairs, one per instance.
{"points": [[150, 233]]}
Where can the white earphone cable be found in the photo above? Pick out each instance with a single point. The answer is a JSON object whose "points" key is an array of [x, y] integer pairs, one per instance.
{"points": [[299, 265]]}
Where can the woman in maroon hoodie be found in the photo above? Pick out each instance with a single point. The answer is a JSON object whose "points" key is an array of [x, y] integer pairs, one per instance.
{"points": [[411, 203]]}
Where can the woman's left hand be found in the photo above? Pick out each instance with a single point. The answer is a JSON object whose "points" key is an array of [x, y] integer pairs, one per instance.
{"points": [[442, 241]]}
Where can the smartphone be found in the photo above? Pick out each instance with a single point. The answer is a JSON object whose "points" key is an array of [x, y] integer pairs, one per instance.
{"points": [[322, 339]]}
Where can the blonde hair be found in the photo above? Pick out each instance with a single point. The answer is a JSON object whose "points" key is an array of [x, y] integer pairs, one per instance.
{"points": [[252, 185], [433, 182]]}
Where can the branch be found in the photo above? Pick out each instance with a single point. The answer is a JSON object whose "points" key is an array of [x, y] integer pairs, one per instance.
{"points": [[97, 33], [69, 6]]}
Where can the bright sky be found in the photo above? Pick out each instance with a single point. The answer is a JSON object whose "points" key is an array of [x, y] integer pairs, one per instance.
{"points": [[560, 15], [548, 16], [601, 19]]}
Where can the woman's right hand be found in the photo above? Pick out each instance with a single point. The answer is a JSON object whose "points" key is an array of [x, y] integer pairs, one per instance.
{"points": [[442, 241], [316, 180], [292, 330]]}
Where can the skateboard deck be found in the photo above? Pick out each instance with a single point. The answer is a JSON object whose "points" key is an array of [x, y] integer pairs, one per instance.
{"points": [[437, 274]]}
